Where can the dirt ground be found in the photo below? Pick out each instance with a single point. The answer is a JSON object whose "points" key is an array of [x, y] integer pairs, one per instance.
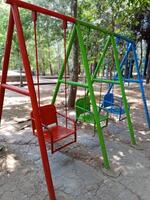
{"points": [[21, 173]]}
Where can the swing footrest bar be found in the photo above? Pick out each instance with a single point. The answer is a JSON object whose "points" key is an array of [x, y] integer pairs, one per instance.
{"points": [[15, 89]]}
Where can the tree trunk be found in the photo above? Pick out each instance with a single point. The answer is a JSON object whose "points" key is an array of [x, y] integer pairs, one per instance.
{"points": [[141, 55], [147, 63], [43, 67], [148, 70], [50, 64], [51, 69], [147, 55], [75, 70]]}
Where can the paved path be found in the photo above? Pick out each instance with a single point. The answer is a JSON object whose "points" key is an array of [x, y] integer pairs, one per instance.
{"points": [[77, 171]]}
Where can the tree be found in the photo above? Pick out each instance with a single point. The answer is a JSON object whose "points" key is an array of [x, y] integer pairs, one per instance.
{"points": [[142, 30], [125, 17], [3, 27], [75, 69]]}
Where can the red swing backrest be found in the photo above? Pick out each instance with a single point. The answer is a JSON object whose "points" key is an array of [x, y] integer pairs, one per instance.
{"points": [[48, 115]]}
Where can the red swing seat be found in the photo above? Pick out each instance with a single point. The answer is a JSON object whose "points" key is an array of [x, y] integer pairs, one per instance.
{"points": [[53, 132]]}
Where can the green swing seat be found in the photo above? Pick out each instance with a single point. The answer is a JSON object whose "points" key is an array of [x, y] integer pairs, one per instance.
{"points": [[84, 113]]}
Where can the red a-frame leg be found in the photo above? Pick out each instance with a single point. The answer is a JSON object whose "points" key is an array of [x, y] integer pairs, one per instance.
{"points": [[15, 18], [6, 60]]}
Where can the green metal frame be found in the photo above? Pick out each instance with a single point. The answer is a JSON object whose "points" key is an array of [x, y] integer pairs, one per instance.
{"points": [[60, 77], [92, 96], [91, 79], [125, 103]]}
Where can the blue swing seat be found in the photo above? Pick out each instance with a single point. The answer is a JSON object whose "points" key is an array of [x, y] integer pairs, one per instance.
{"points": [[114, 105]]}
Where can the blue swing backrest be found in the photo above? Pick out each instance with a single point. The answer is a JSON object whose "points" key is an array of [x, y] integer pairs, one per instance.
{"points": [[108, 100]]}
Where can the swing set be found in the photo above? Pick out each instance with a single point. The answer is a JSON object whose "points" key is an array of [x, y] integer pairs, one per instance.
{"points": [[109, 101], [45, 117], [114, 104], [53, 132]]}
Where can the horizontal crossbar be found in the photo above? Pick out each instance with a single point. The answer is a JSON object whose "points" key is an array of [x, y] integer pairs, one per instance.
{"points": [[45, 11], [39, 9], [74, 83], [105, 31], [132, 80], [15, 89], [100, 80], [128, 80]]}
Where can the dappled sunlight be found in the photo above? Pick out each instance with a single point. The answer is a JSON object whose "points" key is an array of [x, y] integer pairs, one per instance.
{"points": [[8, 161], [12, 130], [8, 134], [130, 151], [11, 162], [121, 153], [117, 158], [144, 132], [7, 126], [125, 164], [72, 114], [12, 113], [129, 170], [141, 139], [133, 169], [20, 119], [136, 101]]}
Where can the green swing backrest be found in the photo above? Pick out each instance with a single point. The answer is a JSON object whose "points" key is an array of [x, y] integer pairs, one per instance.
{"points": [[82, 105]]}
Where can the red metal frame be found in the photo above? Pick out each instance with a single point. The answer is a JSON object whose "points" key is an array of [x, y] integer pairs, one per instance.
{"points": [[15, 89], [6, 59], [15, 19], [39, 9]]}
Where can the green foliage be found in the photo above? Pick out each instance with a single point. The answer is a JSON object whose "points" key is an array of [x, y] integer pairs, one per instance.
{"points": [[118, 16], [3, 26]]}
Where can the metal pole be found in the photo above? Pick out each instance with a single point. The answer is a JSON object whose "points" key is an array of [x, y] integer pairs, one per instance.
{"points": [[141, 87], [72, 36], [92, 97], [6, 59], [101, 58], [130, 126], [45, 11], [121, 65], [34, 102], [39, 9]]}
